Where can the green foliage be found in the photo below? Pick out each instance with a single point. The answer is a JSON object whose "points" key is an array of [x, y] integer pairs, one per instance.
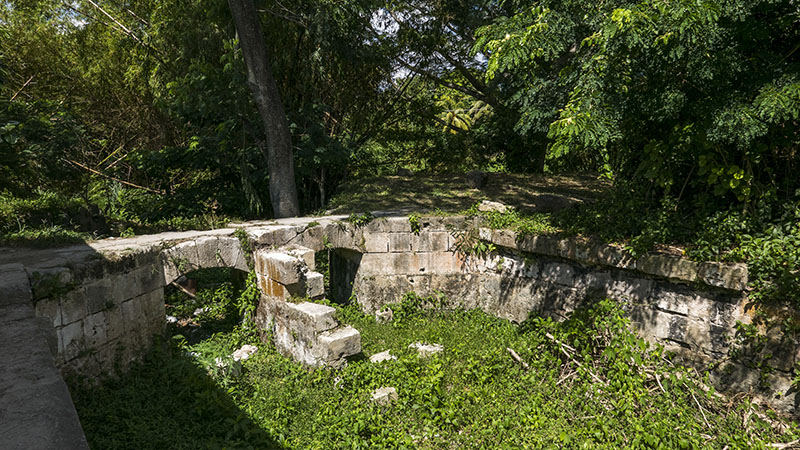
{"points": [[469, 242], [685, 95], [359, 220], [525, 224], [413, 220]]}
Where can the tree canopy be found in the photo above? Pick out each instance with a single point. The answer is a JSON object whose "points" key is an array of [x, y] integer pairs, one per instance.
{"points": [[143, 107]]}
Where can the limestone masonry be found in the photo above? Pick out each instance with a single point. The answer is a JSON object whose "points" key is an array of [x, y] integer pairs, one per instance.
{"points": [[92, 308]]}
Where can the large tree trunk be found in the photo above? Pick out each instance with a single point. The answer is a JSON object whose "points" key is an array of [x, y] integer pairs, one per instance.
{"points": [[282, 189]]}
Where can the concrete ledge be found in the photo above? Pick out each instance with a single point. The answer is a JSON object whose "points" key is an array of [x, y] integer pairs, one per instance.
{"points": [[36, 410], [729, 276]]}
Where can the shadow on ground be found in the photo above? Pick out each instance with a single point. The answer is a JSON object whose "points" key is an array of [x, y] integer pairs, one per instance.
{"points": [[450, 193], [166, 402]]}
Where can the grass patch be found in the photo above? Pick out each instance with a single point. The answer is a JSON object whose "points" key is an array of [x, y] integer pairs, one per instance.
{"points": [[589, 383]]}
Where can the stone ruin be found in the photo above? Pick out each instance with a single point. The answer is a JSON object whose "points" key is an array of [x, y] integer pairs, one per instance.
{"points": [[93, 308], [305, 331]]}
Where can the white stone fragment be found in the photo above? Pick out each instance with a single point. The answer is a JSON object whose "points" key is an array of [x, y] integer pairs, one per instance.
{"points": [[382, 356], [486, 206], [384, 315], [384, 396], [426, 350], [244, 353]]}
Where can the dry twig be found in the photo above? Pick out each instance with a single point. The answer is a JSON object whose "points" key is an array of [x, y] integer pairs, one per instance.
{"points": [[517, 358]]}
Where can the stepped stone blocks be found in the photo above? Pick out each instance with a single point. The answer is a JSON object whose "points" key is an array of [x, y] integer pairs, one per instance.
{"points": [[306, 332]]}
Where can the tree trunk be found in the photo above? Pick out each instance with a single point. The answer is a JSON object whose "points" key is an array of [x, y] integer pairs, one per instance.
{"points": [[282, 189]]}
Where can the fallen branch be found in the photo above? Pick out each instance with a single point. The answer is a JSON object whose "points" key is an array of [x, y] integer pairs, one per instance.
{"points": [[517, 358], [20, 89], [127, 183], [185, 291], [794, 443], [701, 410], [563, 348]]}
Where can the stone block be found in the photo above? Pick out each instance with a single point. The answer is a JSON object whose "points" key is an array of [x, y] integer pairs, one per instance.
{"points": [[400, 242], [384, 396], [230, 253], [726, 276], [279, 266], [629, 288], [132, 315], [337, 344], [344, 235], [708, 338], [179, 260], [611, 255], [376, 242], [51, 309], [315, 284], [313, 237], [559, 273], [101, 294], [667, 266], [94, 328], [393, 224], [73, 340], [504, 238], [73, 306], [312, 316], [153, 306], [440, 241], [272, 289], [304, 254], [390, 263], [115, 323], [207, 251], [49, 281], [444, 262], [275, 235]]}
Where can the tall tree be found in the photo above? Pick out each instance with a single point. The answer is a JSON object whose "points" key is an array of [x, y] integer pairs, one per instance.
{"points": [[282, 189]]}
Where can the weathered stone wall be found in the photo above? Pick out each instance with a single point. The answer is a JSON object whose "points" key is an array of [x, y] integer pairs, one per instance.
{"points": [[107, 308], [690, 308]]}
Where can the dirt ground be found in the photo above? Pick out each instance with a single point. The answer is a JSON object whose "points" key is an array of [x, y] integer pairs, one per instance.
{"points": [[450, 193]]}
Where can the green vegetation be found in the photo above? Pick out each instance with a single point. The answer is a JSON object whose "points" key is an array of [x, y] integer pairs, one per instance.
{"points": [[585, 383], [359, 220]]}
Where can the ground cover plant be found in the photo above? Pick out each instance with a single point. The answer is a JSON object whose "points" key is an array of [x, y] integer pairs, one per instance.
{"points": [[588, 382]]}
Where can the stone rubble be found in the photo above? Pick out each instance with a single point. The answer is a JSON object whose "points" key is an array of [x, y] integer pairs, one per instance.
{"points": [[488, 206], [384, 396], [244, 352], [381, 357], [426, 350]]}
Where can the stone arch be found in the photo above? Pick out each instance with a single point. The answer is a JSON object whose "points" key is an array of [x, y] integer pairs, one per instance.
{"points": [[204, 252]]}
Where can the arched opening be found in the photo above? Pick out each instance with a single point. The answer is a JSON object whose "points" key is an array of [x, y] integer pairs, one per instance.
{"points": [[203, 302], [342, 268]]}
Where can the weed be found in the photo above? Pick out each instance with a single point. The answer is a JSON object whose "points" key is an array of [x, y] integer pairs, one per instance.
{"points": [[416, 226], [360, 220]]}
